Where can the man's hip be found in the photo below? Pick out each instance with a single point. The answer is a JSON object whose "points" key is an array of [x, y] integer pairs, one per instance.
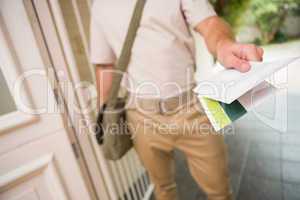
{"points": [[186, 128]]}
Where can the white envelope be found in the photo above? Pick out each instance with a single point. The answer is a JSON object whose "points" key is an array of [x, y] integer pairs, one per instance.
{"points": [[228, 85]]}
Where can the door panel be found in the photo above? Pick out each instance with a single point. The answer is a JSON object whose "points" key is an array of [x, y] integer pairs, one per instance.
{"points": [[26, 76], [36, 156], [45, 166]]}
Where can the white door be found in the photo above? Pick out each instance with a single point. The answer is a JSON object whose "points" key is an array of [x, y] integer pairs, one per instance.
{"points": [[36, 157]]}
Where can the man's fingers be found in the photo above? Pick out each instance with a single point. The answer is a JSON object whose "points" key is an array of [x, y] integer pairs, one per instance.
{"points": [[239, 56], [261, 52], [238, 64], [251, 53], [245, 67]]}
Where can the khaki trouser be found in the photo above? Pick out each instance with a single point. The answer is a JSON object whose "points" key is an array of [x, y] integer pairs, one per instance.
{"points": [[155, 136]]}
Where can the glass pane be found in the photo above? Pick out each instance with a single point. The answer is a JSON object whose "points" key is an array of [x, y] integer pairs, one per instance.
{"points": [[7, 103]]}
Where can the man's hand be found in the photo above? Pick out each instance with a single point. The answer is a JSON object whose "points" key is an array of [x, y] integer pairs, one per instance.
{"points": [[220, 42], [237, 56], [104, 75]]}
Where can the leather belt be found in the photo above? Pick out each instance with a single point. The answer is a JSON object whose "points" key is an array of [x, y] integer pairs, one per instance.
{"points": [[165, 106]]}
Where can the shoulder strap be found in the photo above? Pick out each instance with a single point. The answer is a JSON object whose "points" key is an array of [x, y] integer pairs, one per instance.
{"points": [[124, 58]]}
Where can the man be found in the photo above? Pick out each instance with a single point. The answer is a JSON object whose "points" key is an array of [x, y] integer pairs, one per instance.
{"points": [[159, 82]]}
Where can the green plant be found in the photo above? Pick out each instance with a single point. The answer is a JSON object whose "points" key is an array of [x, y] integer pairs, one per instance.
{"points": [[232, 11], [269, 16]]}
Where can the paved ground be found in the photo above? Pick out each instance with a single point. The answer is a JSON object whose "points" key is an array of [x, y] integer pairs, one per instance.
{"points": [[264, 162]]}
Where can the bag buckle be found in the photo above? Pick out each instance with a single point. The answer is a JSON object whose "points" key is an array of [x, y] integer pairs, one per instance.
{"points": [[162, 107]]}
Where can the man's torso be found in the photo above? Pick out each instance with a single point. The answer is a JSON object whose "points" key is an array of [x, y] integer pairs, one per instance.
{"points": [[162, 61]]}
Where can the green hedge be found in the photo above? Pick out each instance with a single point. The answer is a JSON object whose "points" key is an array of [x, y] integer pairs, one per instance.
{"points": [[267, 15]]}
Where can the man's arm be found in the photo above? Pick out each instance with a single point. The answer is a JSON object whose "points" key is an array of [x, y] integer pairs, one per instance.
{"points": [[221, 43], [104, 82]]}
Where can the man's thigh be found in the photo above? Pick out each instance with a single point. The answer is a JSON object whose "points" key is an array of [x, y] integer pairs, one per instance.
{"points": [[206, 153], [154, 149]]}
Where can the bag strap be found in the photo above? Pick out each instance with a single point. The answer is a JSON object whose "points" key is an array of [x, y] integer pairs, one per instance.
{"points": [[124, 59]]}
